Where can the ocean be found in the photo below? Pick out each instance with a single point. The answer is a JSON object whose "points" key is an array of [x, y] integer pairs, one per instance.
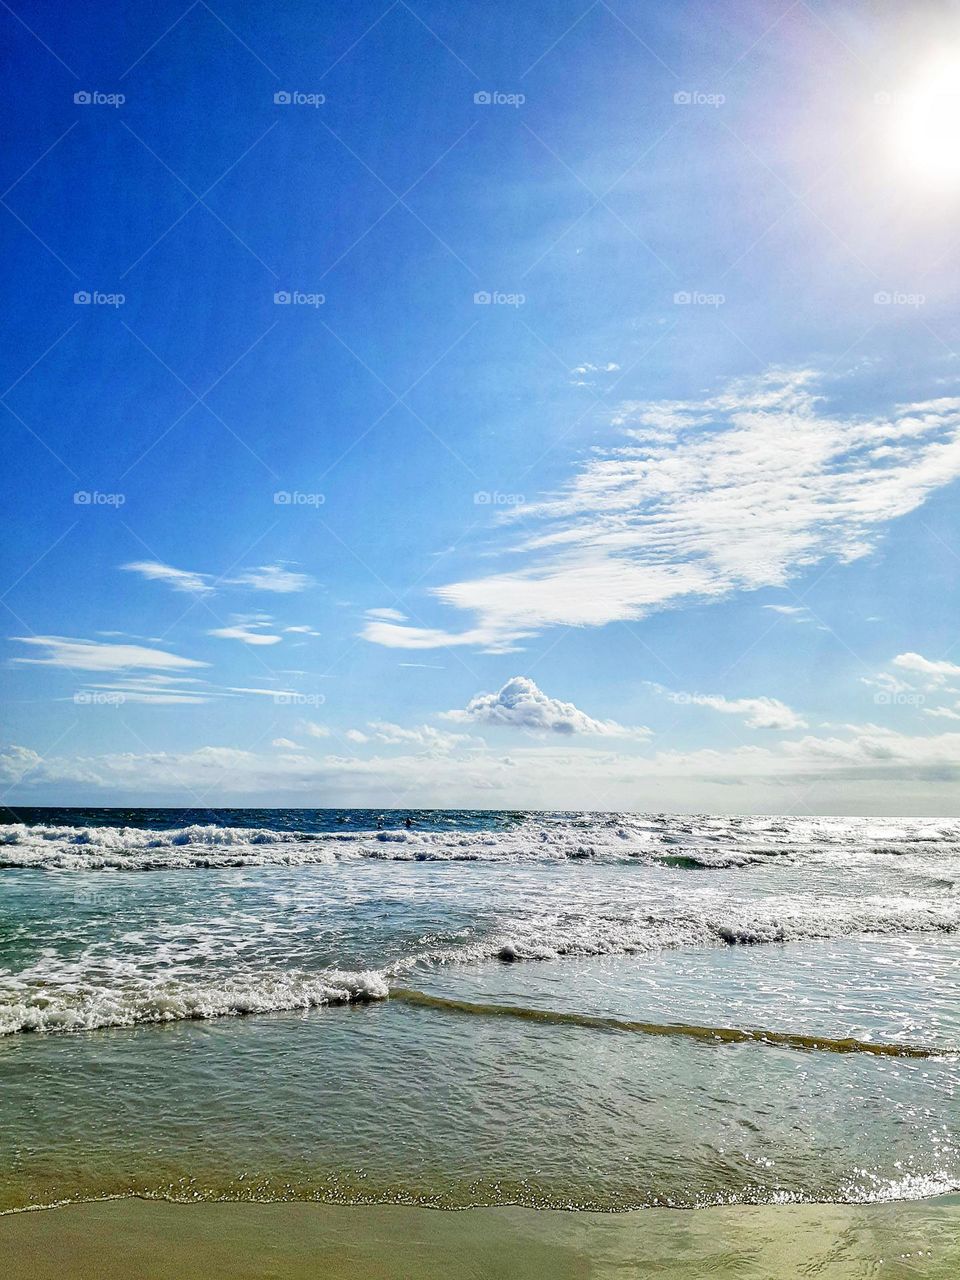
{"points": [[557, 1010]]}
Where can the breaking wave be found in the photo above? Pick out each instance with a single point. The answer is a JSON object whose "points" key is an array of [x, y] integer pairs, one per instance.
{"points": [[177, 1001], [697, 845]]}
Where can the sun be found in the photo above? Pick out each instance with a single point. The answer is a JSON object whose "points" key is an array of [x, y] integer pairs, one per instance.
{"points": [[927, 124]]}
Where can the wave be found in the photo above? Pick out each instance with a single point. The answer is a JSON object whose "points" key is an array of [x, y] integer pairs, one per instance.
{"points": [[706, 845], [55, 997], [704, 1034], [92, 1009]]}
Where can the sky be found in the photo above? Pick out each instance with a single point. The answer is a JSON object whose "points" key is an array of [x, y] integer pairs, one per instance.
{"points": [[481, 405]]}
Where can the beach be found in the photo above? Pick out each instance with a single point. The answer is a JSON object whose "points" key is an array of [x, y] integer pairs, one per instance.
{"points": [[484, 1044], [155, 1241]]}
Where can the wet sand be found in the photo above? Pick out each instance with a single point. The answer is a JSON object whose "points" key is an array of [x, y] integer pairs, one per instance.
{"points": [[142, 1240]]}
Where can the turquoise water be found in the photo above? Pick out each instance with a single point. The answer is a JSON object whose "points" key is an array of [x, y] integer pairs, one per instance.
{"points": [[480, 1008]]}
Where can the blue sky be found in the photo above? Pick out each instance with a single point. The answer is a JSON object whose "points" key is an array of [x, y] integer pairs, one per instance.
{"points": [[482, 404]]}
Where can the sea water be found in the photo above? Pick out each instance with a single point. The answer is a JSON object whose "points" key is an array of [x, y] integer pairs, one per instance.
{"points": [[603, 1011]]}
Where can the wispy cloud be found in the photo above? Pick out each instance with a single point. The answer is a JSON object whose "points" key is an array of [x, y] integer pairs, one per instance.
{"points": [[521, 704], [268, 577], [796, 612], [179, 579], [272, 577], [733, 492], [386, 615], [756, 713], [93, 655], [255, 631]]}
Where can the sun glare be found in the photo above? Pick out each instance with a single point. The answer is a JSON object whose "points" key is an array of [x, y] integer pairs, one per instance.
{"points": [[927, 132]]}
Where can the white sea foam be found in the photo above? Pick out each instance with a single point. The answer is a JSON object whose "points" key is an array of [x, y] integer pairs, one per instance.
{"points": [[707, 843], [88, 952], [81, 1008]]}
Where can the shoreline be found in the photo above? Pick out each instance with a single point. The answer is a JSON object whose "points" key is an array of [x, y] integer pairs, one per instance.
{"points": [[140, 1239]]}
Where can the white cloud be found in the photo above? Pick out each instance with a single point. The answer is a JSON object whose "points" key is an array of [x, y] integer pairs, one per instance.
{"points": [[356, 735], [387, 615], [267, 577], [315, 730], [734, 492], [288, 695], [581, 373], [798, 613], [934, 672], [92, 655], [248, 630], [153, 690], [424, 736], [757, 713], [520, 704], [284, 744], [272, 577], [179, 579], [943, 713], [860, 769]]}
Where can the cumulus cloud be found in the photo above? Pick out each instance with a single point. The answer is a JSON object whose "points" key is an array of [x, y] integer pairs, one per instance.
{"points": [[521, 704], [701, 498], [94, 655]]}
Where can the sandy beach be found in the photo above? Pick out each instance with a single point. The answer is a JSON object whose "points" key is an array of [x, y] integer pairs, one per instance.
{"points": [[139, 1240]]}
